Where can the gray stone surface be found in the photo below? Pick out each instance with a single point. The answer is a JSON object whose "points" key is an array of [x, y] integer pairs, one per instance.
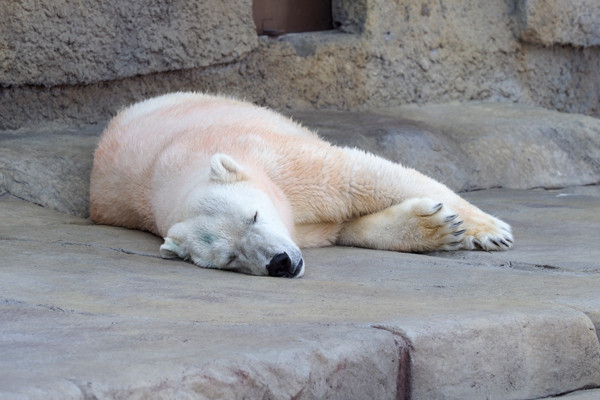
{"points": [[536, 250], [92, 311], [550, 22], [71, 42]]}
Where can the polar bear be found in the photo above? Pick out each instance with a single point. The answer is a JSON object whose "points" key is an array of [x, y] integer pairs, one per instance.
{"points": [[234, 186]]}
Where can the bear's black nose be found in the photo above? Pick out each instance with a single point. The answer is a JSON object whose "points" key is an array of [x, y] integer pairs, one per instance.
{"points": [[281, 266]]}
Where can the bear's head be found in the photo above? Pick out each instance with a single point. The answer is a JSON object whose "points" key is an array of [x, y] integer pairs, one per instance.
{"points": [[232, 224]]}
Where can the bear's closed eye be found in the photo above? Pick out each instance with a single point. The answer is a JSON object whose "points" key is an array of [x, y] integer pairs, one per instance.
{"points": [[231, 259]]}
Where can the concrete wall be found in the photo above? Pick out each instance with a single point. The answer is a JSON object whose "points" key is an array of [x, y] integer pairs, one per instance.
{"points": [[74, 62]]}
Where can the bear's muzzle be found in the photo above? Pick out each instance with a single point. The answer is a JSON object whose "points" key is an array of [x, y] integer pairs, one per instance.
{"points": [[281, 266]]}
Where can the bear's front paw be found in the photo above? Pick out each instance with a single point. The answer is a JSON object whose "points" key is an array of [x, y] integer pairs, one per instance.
{"points": [[437, 227], [417, 224], [485, 232]]}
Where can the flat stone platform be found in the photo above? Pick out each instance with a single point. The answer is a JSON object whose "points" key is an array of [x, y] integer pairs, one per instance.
{"points": [[92, 312]]}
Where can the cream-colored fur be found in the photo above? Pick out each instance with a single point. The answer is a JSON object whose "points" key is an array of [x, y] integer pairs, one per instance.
{"points": [[156, 159]]}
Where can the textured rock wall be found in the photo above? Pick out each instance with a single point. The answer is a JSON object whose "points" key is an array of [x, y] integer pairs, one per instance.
{"points": [[434, 51], [70, 42], [383, 54]]}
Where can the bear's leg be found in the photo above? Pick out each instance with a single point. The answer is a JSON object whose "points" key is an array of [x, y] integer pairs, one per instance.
{"points": [[417, 224], [316, 235], [376, 181]]}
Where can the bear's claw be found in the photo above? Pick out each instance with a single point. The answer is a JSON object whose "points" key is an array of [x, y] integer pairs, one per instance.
{"points": [[488, 233]]}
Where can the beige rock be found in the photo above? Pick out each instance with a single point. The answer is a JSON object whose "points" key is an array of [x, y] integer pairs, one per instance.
{"points": [[550, 22], [81, 42]]}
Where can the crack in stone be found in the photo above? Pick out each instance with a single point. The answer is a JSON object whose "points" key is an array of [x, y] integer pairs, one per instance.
{"points": [[64, 310], [118, 249], [404, 378], [7, 192], [16, 239], [582, 389], [530, 266], [94, 246], [14, 302]]}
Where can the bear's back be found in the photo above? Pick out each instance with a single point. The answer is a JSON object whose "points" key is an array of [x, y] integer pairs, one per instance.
{"points": [[161, 137]]}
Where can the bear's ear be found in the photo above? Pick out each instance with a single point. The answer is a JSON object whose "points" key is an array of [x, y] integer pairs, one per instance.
{"points": [[224, 169]]}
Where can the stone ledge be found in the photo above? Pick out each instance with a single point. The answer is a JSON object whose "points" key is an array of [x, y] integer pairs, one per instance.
{"points": [[541, 353], [473, 146], [51, 169], [148, 358], [467, 146], [591, 394]]}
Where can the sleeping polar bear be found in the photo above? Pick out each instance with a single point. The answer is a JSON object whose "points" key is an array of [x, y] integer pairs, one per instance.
{"points": [[233, 186]]}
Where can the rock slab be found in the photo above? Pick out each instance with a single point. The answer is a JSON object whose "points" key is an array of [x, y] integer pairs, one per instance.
{"points": [[503, 355], [474, 146], [51, 169]]}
